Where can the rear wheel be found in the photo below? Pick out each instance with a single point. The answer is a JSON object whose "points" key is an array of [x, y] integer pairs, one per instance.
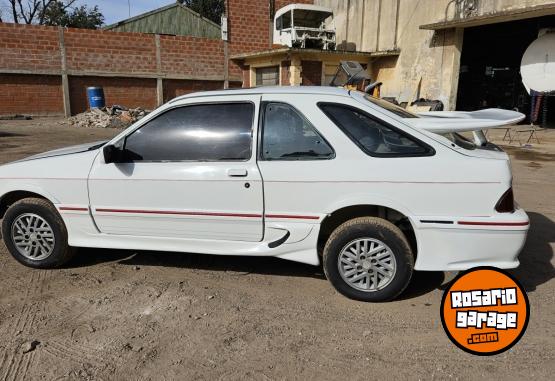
{"points": [[368, 259], [35, 234]]}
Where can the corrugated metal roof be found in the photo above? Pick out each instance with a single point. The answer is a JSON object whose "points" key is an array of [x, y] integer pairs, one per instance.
{"points": [[173, 19]]}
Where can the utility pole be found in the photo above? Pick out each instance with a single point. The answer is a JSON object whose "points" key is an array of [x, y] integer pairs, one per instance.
{"points": [[225, 38]]}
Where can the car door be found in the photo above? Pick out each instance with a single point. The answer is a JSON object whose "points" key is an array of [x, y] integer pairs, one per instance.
{"points": [[189, 172], [294, 157]]}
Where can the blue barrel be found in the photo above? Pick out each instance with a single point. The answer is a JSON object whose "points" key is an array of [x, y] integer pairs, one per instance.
{"points": [[96, 97]]}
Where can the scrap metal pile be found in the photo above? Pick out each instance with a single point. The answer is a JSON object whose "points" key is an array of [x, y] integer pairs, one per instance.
{"points": [[108, 117]]}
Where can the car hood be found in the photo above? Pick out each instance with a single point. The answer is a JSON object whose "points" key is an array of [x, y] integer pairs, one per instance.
{"points": [[66, 151]]}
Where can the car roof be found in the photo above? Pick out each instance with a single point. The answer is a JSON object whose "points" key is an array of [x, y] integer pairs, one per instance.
{"points": [[321, 90], [307, 7]]}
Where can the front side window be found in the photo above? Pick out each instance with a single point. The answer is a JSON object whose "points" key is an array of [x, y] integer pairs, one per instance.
{"points": [[284, 21], [207, 132], [287, 135], [373, 136]]}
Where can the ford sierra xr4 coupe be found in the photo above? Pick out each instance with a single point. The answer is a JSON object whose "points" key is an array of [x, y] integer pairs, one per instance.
{"points": [[308, 174]]}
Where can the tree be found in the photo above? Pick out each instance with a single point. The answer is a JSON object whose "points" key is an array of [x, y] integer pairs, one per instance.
{"points": [[55, 12], [210, 9], [78, 17], [31, 11]]}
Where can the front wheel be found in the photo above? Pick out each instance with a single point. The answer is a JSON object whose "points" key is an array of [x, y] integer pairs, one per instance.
{"points": [[35, 234], [368, 259]]}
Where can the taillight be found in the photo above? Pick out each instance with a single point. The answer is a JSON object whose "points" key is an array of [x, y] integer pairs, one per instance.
{"points": [[506, 203]]}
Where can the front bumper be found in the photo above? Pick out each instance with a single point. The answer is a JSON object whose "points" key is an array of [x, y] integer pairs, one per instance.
{"points": [[470, 242]]}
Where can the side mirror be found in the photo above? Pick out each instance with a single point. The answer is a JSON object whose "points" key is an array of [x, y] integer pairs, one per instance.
{"points": [[112, 154]]}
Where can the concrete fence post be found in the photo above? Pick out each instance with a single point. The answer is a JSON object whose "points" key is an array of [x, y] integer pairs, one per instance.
{"points": [[65, 78], [159, 79]]}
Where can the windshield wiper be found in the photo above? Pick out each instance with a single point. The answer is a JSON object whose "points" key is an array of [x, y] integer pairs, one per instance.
{"points": [[97, 146]]}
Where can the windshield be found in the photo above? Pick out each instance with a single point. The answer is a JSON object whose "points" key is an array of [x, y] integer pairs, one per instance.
{"points": [[309, 19], [399, 111]]}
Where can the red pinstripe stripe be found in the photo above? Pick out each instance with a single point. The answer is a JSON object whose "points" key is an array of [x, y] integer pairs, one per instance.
{"points": [[292, 216], [479, 223], [175, 212], [179, 213], [74, 208]]}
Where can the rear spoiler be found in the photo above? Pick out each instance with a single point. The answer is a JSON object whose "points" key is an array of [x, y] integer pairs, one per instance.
{"points": [[443, 122]]}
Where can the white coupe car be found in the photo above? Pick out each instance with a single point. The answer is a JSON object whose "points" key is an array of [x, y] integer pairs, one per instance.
{"points": [[307, 174]]}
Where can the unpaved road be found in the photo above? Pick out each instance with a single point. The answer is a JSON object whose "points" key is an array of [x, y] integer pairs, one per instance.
{"points": [[159, 316]]}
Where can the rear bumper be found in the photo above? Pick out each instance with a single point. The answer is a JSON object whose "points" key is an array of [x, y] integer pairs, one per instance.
{"points": [[471, 242]]}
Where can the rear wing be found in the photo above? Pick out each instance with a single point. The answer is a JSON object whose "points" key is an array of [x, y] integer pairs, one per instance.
{"points": [[443, 122]]}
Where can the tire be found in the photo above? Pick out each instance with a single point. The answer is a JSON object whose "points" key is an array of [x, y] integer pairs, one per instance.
{"points": [[363, 276], [22, 225]]}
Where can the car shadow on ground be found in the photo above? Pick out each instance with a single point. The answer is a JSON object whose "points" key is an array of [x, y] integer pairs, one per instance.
{"points": [[536, 266], [534, 270], [421, 283], [236, 264], [6, 134]]}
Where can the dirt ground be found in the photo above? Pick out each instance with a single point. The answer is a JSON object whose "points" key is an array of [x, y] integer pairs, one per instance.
{"points": [[159, 316]]}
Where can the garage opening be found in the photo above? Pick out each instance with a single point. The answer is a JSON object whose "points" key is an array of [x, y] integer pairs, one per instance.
{"points": [[490, 68]]}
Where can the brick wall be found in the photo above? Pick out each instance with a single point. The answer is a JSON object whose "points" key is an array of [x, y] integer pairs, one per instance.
{"points": [[31, 64], [31, 61], [192, 56], [245, 69], [311, 73], [102, 51], [129, 92], [21, 93], [32, 48], [174, 88], [249, 26]]}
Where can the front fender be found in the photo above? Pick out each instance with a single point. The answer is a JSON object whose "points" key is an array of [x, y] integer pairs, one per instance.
{"points": [[7, 187]]}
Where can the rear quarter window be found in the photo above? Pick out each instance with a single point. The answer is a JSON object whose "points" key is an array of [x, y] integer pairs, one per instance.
{"points": [[372, 135]]}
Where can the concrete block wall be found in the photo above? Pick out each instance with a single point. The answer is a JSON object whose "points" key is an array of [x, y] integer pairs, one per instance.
{"points": [[428, 60]]}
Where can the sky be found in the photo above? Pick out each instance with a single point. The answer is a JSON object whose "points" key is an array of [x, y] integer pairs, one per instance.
{"points": [[113, 10], [117, 10]]}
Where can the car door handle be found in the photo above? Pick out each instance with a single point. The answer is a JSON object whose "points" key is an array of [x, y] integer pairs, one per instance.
{"points": [[237, 172]]}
